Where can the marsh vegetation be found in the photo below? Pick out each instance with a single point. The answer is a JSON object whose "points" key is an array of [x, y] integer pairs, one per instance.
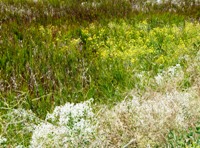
{"points": [[104, 73]]}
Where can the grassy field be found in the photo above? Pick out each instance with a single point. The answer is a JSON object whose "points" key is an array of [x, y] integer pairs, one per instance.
{"points": [[106, 73]]}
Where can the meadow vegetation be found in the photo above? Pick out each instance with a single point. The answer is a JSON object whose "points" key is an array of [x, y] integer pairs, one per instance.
{"points": [[104, 73]]}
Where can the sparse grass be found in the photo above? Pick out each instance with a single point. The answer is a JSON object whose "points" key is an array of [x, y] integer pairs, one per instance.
{"points": [[141, 66]]}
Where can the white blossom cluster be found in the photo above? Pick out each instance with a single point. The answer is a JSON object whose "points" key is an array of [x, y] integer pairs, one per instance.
{"points": [[68, 125], [172, 73], [25, 119], [90, 4], [2, 140]]}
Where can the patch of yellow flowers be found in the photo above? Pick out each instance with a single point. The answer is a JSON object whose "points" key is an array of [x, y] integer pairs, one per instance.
{"points": [[135, 42]]}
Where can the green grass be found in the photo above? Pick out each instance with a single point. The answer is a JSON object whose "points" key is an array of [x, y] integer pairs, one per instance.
{"points": [[187, 138], [53, 52]]}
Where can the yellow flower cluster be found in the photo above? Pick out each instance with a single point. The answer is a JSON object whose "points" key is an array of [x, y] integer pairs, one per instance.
{"points": [[132, 43], [136, 42]]}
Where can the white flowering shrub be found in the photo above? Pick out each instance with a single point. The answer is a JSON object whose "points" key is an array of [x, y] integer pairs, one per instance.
{"points": [[172, 75], [68, 125]]}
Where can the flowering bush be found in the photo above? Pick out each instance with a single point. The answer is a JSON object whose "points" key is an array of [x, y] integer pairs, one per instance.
{"points": [[68, 125], [142, 43]]}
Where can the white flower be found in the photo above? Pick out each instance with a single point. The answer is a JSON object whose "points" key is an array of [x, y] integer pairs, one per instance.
{"points": [[2, 140], [159, 79], [46, 134], [35, 1], [19, 146], [67, 125], [173, 73]]}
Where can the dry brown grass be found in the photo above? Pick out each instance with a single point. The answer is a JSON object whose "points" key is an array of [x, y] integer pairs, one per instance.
{"points": [[146, 120]]}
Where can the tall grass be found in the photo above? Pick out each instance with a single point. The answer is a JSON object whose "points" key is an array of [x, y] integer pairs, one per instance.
{"points": [[47, 63]]}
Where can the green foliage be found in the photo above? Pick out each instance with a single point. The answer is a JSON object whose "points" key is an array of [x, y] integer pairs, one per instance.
{"points": [[50, 62], [189, 138]]}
